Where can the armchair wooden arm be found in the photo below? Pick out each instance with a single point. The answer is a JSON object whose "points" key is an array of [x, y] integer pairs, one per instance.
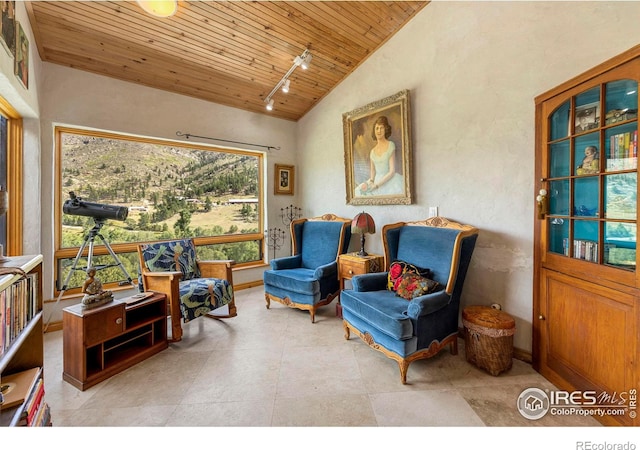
{"points": [[217, 269], [168, 283]]}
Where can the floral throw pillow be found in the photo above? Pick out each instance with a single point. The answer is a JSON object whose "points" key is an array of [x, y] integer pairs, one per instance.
{"points": [[399, 268], [412, 285]]}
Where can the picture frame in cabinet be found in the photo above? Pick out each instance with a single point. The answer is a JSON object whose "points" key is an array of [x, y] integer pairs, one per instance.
{"points": [[587, 117]]}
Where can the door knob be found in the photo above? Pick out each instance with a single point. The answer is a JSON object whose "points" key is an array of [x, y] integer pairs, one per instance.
{"points": [[541, 201], [541, 317]]}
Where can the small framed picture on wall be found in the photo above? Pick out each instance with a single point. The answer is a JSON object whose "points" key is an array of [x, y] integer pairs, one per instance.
{"points": [[8, 25], [22, 56], [283, 179]]}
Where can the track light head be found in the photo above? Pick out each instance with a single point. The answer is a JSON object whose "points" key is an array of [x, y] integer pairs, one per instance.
{"points": [[270, 104], [306, 62], [285, 86]]}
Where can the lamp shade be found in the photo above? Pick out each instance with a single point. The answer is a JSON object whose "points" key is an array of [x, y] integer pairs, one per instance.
{"points": [[363, 223]]}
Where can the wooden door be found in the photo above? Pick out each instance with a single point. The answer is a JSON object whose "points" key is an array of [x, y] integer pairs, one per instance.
{"points": [[586, 286], [589, 339]]}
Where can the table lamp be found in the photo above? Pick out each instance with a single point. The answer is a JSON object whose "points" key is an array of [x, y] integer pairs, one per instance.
{"points": [[362, 223]]}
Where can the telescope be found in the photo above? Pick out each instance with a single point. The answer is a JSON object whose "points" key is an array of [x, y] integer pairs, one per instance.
{"points": [[77, 207]]}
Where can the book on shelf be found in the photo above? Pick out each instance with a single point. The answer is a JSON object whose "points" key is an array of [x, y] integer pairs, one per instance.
{"points": [[43, 417], [27, 406], [17, 387], [587, 250], [34, 404], [623, 151], [18, 306]]}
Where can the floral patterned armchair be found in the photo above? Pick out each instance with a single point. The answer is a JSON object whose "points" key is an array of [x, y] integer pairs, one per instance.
{"points": [[194, 288]]}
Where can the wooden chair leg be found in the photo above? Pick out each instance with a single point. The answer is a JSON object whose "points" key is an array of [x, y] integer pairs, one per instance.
{"points": [[404, 367], [454, 346], [176, 319], [347, 332]]}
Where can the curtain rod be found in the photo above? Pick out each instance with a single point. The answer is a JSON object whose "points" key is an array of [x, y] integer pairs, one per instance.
{"points": [[189, 135]]}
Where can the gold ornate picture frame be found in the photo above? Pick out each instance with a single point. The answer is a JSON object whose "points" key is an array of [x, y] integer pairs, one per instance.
{"points": [[377, 152], [283, 179]]}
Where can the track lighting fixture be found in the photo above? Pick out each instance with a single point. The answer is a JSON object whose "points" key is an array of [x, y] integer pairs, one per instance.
{"points": [[270, 105], [304, 60]]}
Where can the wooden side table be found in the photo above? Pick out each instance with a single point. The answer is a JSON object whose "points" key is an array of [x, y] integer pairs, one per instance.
{"points": [[102, 341], [350, 265]]}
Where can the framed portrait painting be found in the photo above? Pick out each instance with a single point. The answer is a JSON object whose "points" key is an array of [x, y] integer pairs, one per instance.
{"points": [[377, 152], [283, 179]]}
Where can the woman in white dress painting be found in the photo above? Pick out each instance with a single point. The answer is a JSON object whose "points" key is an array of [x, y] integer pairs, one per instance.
{"points": [[383, 178]]}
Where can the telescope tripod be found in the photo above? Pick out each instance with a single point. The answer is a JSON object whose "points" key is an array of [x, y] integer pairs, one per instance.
{"points": [[90, 239]]}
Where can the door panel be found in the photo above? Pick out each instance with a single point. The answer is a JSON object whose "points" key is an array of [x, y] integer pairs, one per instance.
{"points": [[589, 335]]}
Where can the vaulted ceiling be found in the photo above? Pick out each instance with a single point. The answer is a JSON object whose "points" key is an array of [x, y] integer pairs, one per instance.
{"points": [[228, 52]]}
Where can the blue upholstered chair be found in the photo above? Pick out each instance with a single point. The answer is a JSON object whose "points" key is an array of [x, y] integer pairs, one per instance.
{"points": [[408, 316], [194, 288], [309, 279]]}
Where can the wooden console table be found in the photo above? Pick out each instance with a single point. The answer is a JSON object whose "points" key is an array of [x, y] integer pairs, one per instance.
{"points": [[102, 341]]}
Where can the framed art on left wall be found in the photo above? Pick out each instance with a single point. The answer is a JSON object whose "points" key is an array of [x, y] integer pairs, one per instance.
{"points": [[22, 56], [283, 179]]}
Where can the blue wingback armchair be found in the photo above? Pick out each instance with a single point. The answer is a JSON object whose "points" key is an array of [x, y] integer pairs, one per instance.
{"points": [[424, 319], [194, 288], [309, 279]]}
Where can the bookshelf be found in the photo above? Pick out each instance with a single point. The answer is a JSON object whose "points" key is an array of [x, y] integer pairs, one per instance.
{"points": [[22, 344], [102, 341]]}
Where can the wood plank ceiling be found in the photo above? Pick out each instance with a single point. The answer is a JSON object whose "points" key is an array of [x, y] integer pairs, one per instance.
{"points": [[228, 52]]}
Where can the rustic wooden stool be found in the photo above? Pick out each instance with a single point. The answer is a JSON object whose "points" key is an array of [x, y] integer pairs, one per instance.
{"points": [[488, 337]]}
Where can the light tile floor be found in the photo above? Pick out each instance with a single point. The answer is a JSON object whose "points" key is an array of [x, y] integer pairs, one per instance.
{"points": [[274, 368]]}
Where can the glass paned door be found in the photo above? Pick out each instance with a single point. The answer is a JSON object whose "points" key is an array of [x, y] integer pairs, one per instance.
{"points": [[591, 181]]}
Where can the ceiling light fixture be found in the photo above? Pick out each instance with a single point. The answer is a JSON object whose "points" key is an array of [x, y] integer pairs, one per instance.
{"points": [[159, 8], [270, 105], [304, 60]]}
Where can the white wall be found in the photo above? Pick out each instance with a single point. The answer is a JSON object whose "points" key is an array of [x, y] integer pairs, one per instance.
{"points": [[25, 102], [473, 69], [86, 100]]}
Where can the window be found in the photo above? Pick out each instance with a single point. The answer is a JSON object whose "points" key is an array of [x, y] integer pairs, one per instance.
{"points": [[151, 190], [11, 177]]}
